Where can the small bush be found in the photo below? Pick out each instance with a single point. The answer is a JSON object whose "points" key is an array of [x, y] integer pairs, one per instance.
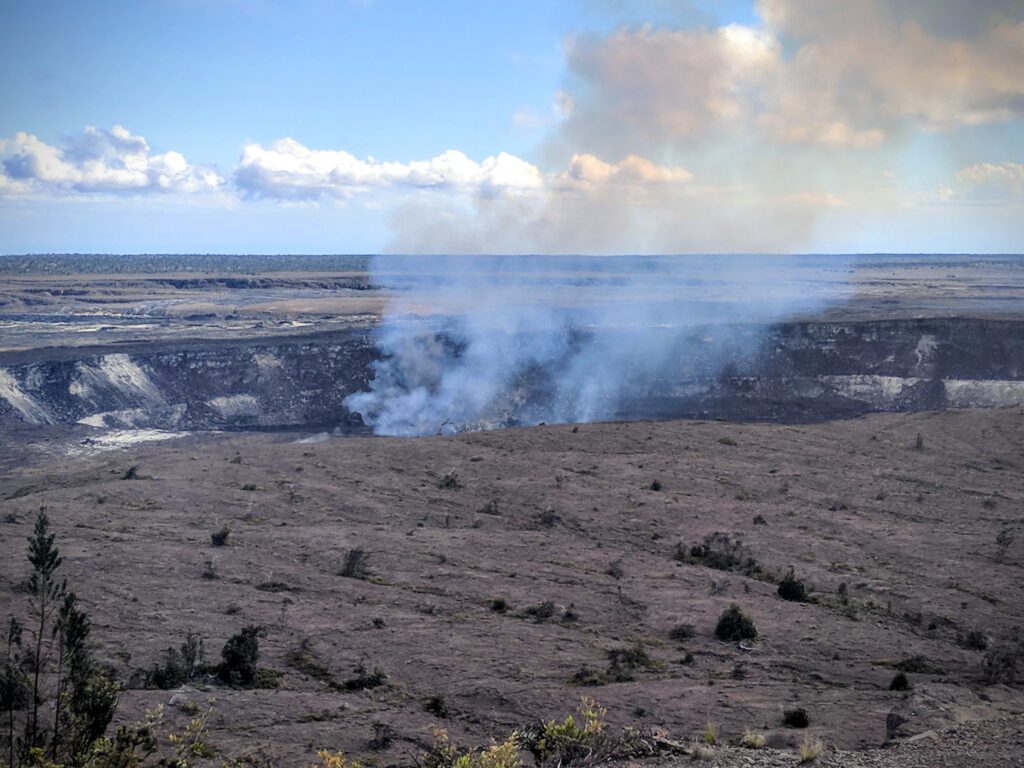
{"points": [[588, 676], [752, 740], [811, 749], [220, 538], [437, 706], [365, 679], [356, 565], [449, 481], [974, 640], [792, 589], [720, 551], [623, 662], [710, 734], [1004, 661], [614, 569], [500, 605], [179, 665], [240, 656], [541, 612], [727, 441], [759, 520], [795, 718], [900, 682], [682, 632], [656, 485], [548, 518], [733, 624]]}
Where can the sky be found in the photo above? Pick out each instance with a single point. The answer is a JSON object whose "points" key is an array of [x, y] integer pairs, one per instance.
{"points": [[484, 126]]}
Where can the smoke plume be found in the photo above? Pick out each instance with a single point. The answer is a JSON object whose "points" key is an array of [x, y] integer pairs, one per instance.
{"points": [[483, 342]]}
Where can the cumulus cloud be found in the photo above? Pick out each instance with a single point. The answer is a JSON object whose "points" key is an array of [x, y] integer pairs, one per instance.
{"points": [[987, 183], [840, 75], [97, 161], [288, 170]]}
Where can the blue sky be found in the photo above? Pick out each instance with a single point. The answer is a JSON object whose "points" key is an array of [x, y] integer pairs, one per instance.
{"points": [[612, 126]]}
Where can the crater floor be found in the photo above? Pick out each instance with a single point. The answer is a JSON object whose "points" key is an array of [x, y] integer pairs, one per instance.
{"points": [[562, 514]]}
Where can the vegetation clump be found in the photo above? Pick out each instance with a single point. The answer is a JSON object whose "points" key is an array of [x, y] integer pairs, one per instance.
{"points": [[220, 538], [449, 481], [355, 565], [722, 552], [58, 700], [682, 632], [1004, 661], [624, 662], [365, 679], [240, 656], [792, 589], [437, 706], [733, 624], [179, 666], [900, 682], [795, 718]]}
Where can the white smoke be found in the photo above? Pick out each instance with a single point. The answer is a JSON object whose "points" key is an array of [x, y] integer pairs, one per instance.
{"points": [[482, 342]]}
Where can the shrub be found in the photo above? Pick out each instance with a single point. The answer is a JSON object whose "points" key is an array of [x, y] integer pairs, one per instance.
{"points": [[356, 565], [437, 706], [240, 656], [541, 612], [449, 480], [220, 538], [588, 676], [811, 749], [733, 624], [499, 605], [623, 662], [710, 734], [795, 718], [900, 682], [1003, 661], [752, 740], [792, 589], [656, 485], [974, 640], [565, 742], [614, 569], [682, 632], [720, 551], [179, 665], [365, 679]]}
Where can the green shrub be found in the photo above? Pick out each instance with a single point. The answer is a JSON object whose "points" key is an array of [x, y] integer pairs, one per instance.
{"points": [[792, 589], [240, 657], [733, 624]]}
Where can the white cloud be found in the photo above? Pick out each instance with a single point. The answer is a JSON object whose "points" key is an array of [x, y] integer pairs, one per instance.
{"points": [[97, 161], [287, 170], [987, 182], [290, 170]]}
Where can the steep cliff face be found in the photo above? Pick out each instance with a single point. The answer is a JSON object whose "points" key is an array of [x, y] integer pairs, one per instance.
{"points": [[267, 384], [790, 372]]}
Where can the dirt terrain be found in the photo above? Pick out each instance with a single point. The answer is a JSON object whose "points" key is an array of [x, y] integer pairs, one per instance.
{"points": [[588, 518]]}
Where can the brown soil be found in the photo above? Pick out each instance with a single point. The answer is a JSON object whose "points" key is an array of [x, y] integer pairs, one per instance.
{"points": [[911, 532]]}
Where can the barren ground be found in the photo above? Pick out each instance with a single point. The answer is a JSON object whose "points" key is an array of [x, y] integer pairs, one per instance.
{"points": [[911, 532]]}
